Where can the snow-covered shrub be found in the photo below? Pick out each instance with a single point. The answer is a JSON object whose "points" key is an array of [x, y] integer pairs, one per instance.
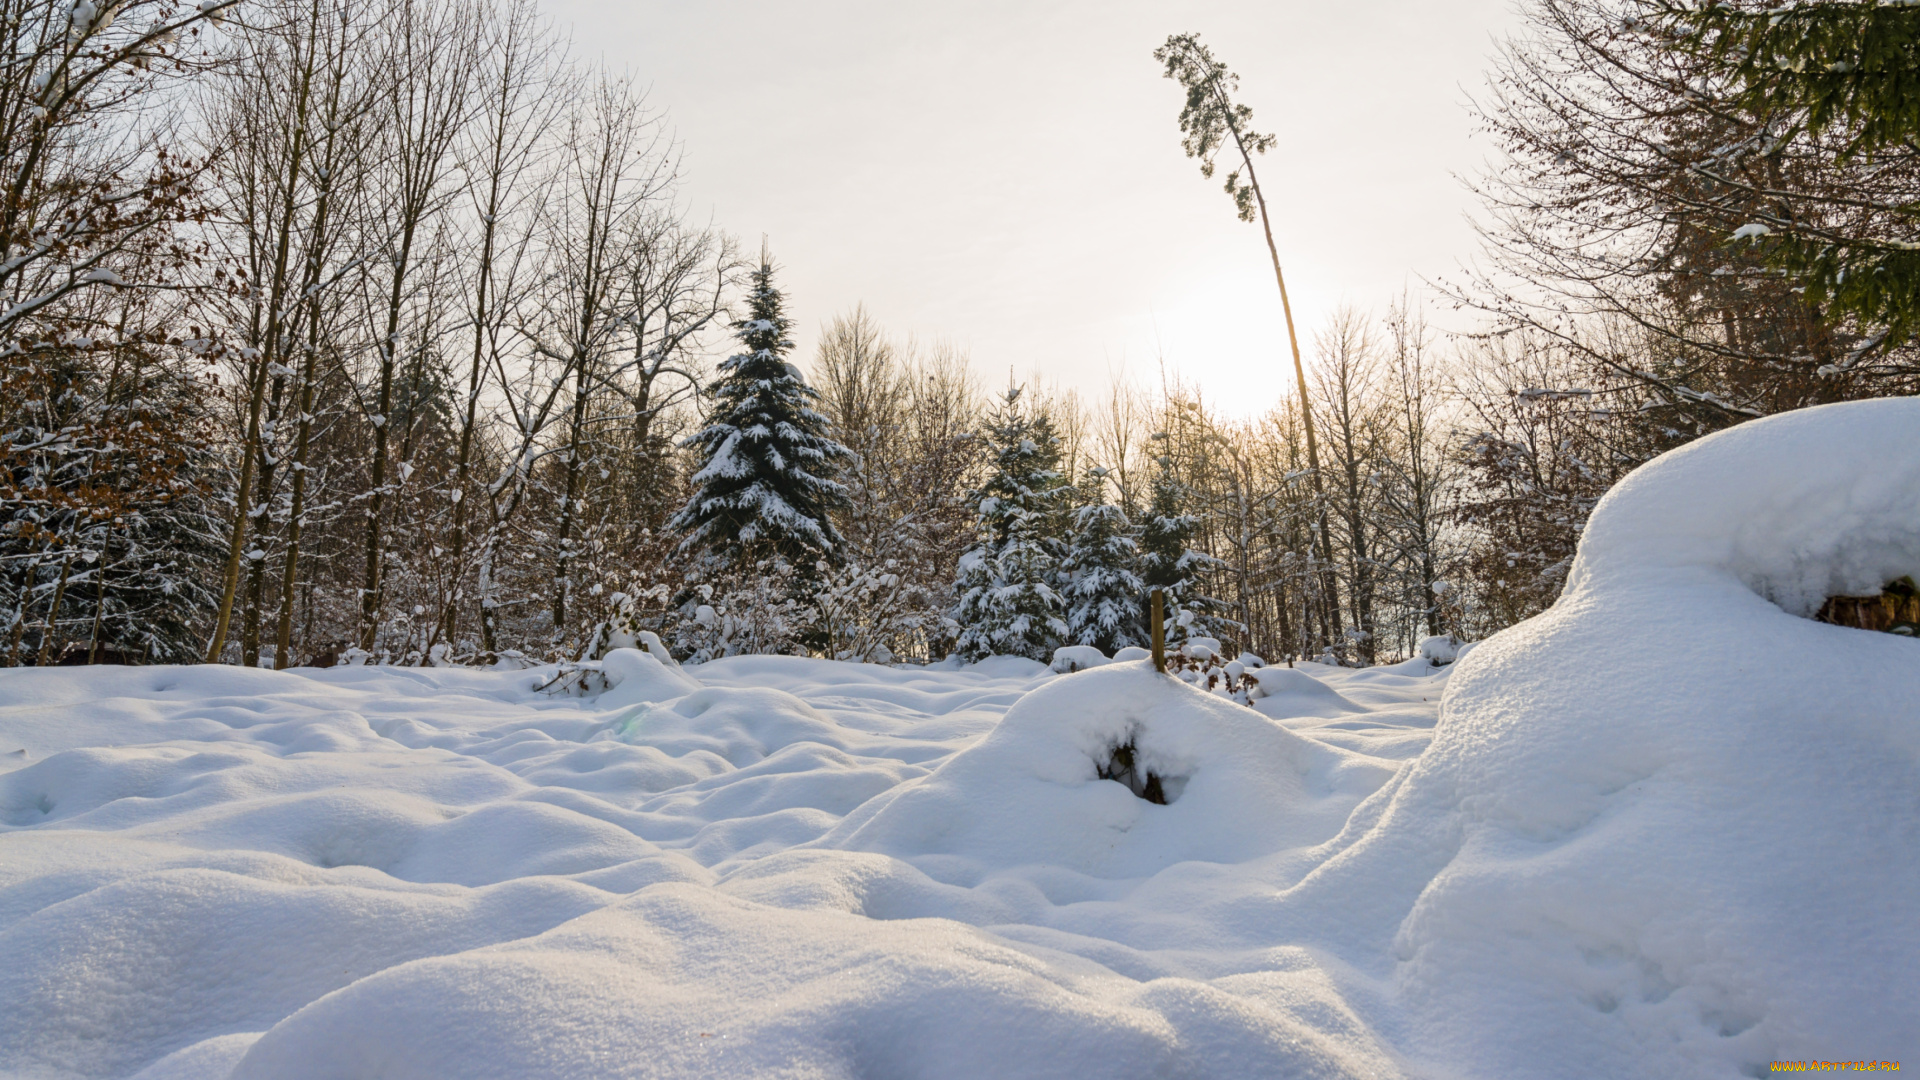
{"points": [[627, 623], [876, 614], [753, 614], [1440, 650], [1201, 662]]}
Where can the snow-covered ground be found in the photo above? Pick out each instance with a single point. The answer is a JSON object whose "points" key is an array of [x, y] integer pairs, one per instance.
{"points": [[1669, 829]]}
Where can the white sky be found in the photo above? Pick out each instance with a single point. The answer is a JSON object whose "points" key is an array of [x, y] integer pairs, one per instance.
{"points": [[1008, 176]]}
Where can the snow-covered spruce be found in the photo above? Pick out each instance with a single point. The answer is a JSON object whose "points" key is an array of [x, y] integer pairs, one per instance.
{"points": [[1168, 564], [767, 482], [1102, 589], [1007, 602]]}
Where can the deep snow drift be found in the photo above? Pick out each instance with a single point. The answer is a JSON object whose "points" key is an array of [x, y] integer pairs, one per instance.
{"points": [[1667, 829]]}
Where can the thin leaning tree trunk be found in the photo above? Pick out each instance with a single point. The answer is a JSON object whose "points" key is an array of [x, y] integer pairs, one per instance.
{"points": [[1299, 372], [1332, 605]]}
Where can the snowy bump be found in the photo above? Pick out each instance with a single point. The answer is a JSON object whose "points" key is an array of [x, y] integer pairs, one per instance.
{"points": [[1068, 659], [1235, 784], [637, 677]]}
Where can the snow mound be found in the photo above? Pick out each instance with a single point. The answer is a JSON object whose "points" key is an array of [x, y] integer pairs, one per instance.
{"points": [[1798, 507], [635, 677], [676, 982], [1235, 784], [1667, 828], [215, 872], [1068, 659], [1283, 692]]}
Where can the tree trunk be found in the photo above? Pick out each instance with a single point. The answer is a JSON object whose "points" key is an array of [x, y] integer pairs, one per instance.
{"points": [[1299, 372], [237, 538], [373, 578], [31, 572], [257, 568], [314, 280], [99, 602], [563, 561], [463, 462], [53, 612], [290, 569]]}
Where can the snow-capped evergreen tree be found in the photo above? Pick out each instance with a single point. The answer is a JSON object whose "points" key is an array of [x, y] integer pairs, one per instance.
{"points": [[767, 479], [1102, 588], [1167, 563], [1007, 601]]}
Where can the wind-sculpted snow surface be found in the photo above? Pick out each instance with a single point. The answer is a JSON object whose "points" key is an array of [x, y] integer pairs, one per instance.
{"points": [[1667, 829], [209, 872]]}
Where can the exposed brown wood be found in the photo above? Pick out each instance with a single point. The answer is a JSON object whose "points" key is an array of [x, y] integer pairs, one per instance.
{"points": [[1896, 610]]}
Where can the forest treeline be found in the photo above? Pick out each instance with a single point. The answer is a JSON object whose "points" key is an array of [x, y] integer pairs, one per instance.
{"points": [[379, 331]]}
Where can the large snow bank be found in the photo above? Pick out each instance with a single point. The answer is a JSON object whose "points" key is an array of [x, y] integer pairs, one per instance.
{"points": [[1667, 829], [1670, 827]]}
